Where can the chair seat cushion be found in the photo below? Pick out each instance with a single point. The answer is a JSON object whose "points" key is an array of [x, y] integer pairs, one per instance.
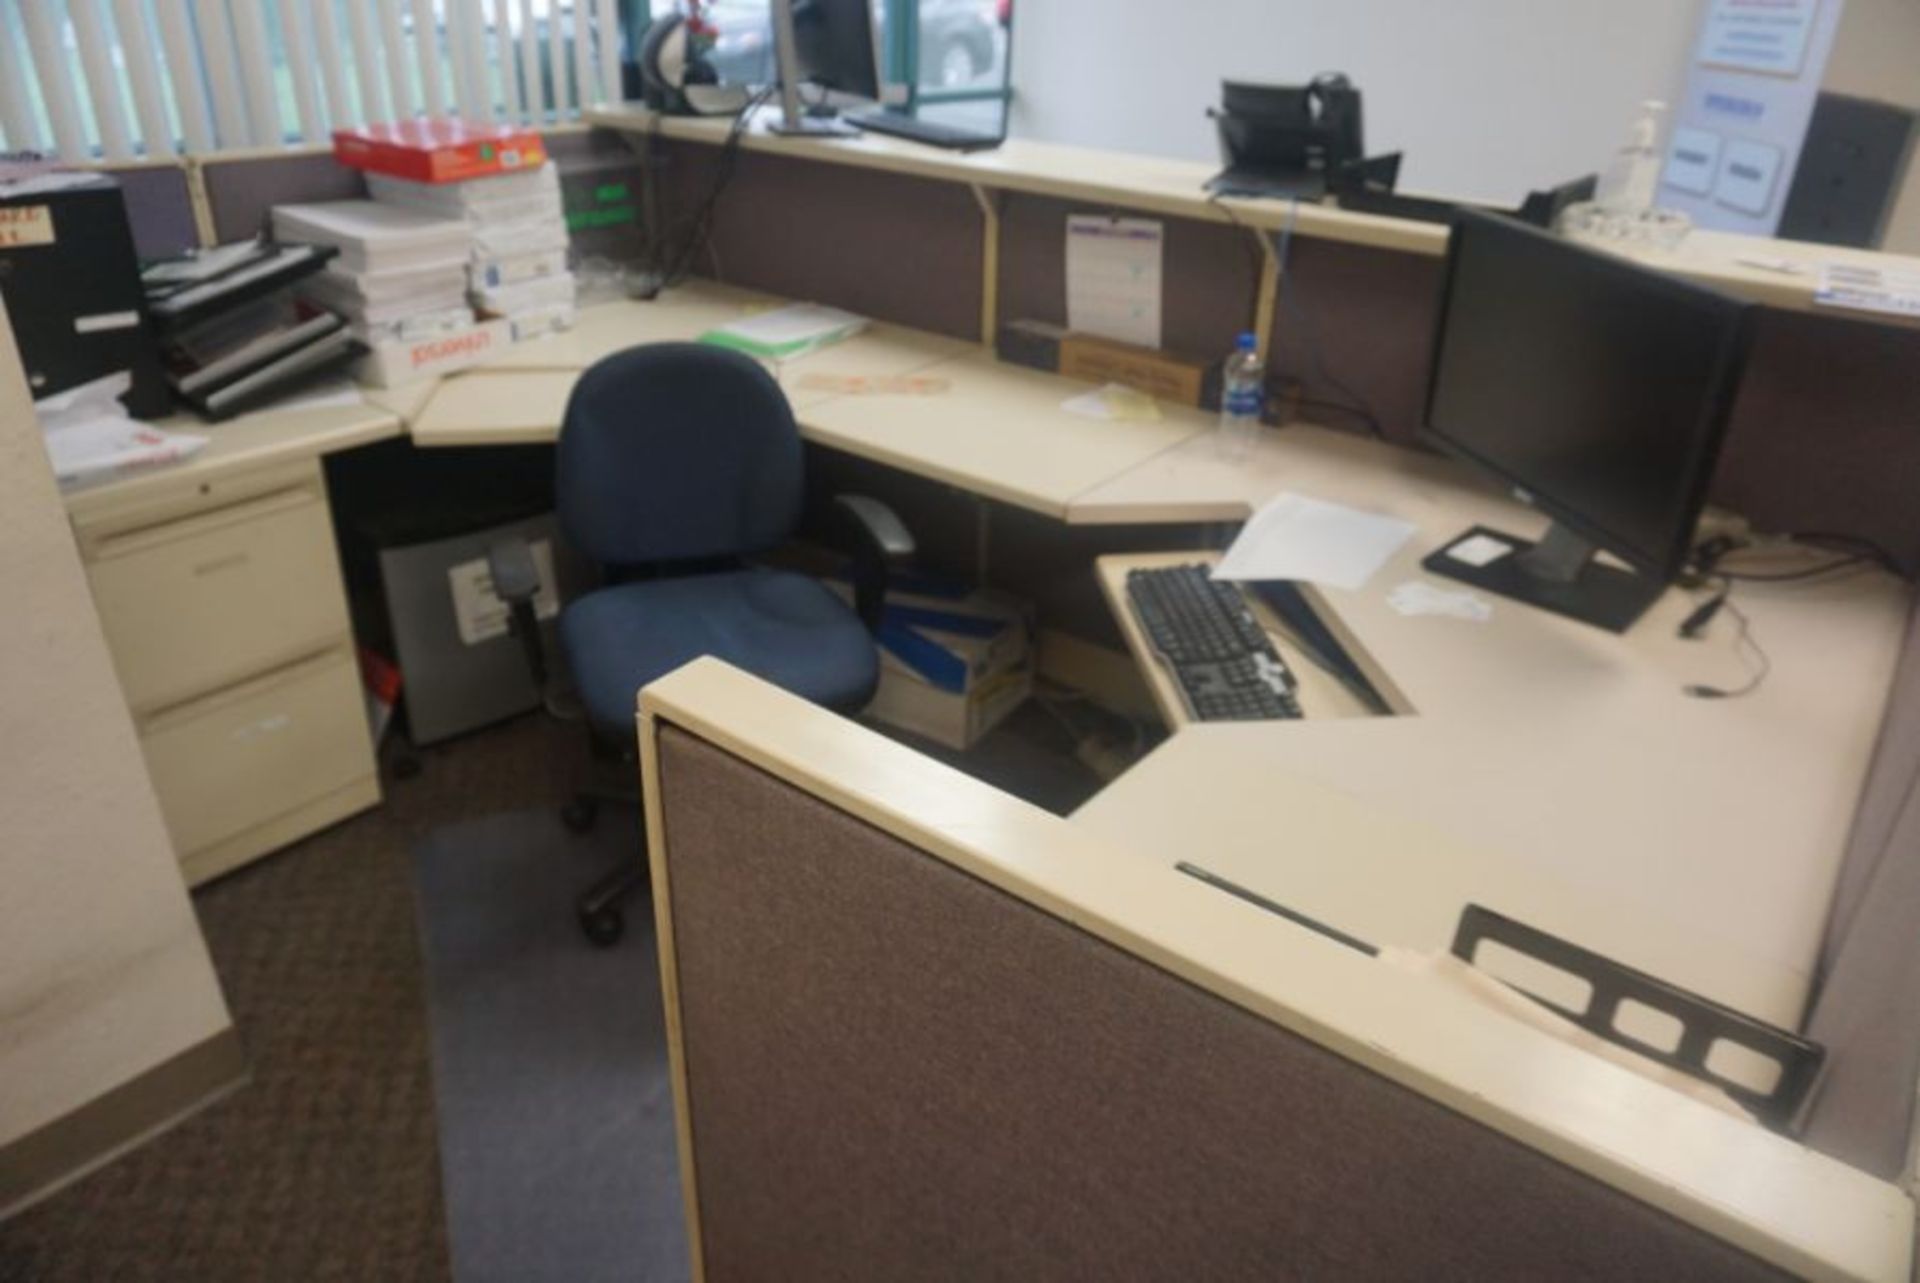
{"points": [[785, 628]]}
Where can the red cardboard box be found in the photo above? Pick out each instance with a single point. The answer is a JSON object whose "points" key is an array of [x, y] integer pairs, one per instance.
{"points": [[440, 150]]}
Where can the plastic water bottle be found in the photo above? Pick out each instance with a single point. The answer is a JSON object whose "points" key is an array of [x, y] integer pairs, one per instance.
{"points": [[1634, 176], [1243, 395]]}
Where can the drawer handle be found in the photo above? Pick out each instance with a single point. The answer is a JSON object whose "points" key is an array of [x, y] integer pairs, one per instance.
{"points": [[166, 715], [218, 564], [265, 726], [140, 538]]}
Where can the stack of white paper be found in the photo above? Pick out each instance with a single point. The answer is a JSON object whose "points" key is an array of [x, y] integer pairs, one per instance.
{"points": [[787, 332], [90, 438], [400, 273], [517, 267]]}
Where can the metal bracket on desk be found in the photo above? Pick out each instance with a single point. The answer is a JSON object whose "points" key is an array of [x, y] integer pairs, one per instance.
{"points": [[1267, 298], [1703, 1022], [989, 203]]}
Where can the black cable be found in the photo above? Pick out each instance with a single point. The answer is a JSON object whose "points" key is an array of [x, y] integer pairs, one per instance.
{"points": [[699, 227], [1355, 403], [1290, 298], [1746, 641], [1710, 558]]}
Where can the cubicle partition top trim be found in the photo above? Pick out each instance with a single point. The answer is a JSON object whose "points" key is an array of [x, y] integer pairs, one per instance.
{"points": [[1778, 273], [1785, 1204]]}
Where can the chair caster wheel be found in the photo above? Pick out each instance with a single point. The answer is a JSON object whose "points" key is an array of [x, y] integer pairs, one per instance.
{"points": [[579, 814], [603, 927]]}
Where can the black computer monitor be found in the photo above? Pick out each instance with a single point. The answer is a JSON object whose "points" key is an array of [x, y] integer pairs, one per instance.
{"points": [[1599, 389], [829, 44]]}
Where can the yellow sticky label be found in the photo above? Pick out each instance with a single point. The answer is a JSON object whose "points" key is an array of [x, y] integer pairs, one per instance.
{"points": [[25, 225]]}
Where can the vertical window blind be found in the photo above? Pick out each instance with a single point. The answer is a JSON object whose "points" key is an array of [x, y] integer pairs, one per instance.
{"points": [[119, 79]]}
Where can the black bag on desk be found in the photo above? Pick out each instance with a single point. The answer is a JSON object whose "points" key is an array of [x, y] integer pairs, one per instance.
{"points": [[71, 283]]}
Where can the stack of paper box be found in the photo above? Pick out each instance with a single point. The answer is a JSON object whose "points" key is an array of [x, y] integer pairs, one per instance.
{"points": [[401, 283], [518, 267]]}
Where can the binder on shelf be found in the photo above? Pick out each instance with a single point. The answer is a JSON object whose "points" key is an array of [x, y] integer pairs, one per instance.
{"points": [[287, 373], [176, 305], [266, 345]]}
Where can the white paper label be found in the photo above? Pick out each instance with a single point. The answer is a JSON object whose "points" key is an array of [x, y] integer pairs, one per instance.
{"points": [[479, 614], [1478, 550], [1113, 277], [100, 321], [25, 225]]}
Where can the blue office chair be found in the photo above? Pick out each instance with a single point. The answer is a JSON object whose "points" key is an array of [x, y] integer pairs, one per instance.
{"points": [[676, 462]]}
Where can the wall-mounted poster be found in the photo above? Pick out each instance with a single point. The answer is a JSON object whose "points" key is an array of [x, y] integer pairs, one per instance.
{"points": [[1750, 92]]}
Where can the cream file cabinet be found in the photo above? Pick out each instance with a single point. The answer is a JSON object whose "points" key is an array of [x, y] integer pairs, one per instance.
{"points": [[222, 602]]}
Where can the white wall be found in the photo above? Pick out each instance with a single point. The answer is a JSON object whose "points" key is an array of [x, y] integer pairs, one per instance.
{"points": [[1488, 98], [1877, 55], [103, 974]]}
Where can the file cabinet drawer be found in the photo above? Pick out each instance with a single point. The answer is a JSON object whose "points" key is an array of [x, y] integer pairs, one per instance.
{"points": [[245, 756], [199, 601]]}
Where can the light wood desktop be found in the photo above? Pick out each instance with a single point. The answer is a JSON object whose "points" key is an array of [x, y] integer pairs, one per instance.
{"points": [[989, 428], [1539, 743]]}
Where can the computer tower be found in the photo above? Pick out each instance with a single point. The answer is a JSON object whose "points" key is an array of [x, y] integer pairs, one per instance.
{"points": [[71, 283], [1851, 170]]}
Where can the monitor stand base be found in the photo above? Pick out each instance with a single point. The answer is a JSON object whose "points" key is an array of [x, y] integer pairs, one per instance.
{"points": [[813, 127], [1557, 574]]}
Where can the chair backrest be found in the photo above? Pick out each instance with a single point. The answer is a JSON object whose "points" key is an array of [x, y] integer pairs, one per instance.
{"points": [[675, 451], [891, 1069]]}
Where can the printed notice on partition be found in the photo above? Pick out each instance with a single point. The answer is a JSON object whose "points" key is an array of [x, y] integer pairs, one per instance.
{"points": [[1113, 277], [1768, 36], [479, 613]]}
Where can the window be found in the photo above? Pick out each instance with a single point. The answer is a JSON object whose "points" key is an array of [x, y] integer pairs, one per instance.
{"points": [[956, 50], [123, 78]]}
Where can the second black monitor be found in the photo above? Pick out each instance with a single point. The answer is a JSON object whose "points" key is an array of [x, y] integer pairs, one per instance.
{"points": [[1599, 390]]}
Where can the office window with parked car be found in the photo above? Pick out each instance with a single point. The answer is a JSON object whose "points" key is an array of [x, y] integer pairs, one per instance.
{"points": [[948, 59]]}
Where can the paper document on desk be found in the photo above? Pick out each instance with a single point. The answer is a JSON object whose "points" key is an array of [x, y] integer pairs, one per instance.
{"points": [[1113, 277], [1114, 403], [1869, 289], [1294, 537], [787, 332], [89, 436]]}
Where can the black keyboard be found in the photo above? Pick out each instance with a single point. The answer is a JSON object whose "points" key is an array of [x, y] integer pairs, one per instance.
{"points": [[1216, 650], [929, 132]]}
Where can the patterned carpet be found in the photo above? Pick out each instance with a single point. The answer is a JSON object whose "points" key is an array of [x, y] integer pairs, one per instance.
{"points": [[325, 1166]]}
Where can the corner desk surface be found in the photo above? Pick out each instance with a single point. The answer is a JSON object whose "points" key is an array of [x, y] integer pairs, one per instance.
{"points": [[1559, 772], [988, 428], [1570, 779]]}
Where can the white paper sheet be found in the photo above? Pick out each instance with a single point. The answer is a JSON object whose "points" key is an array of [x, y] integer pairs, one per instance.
{"points": [[326, 395], [790, 331], [1417, 597], [1294, 537], [1114, 403], [1113, 277], [89, 436]]}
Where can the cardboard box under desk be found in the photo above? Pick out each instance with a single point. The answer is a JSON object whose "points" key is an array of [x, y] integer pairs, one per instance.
{"points": [[952, 665]]}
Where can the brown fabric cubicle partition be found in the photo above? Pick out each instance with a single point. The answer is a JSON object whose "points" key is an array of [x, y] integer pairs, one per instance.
{"points": [[1202, 312], [159, 207], [241, 192], [888, 246], [896, 1071]]}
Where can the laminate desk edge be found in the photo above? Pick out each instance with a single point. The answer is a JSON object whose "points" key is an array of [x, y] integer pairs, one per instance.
{"points": [[1175, 188]]}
